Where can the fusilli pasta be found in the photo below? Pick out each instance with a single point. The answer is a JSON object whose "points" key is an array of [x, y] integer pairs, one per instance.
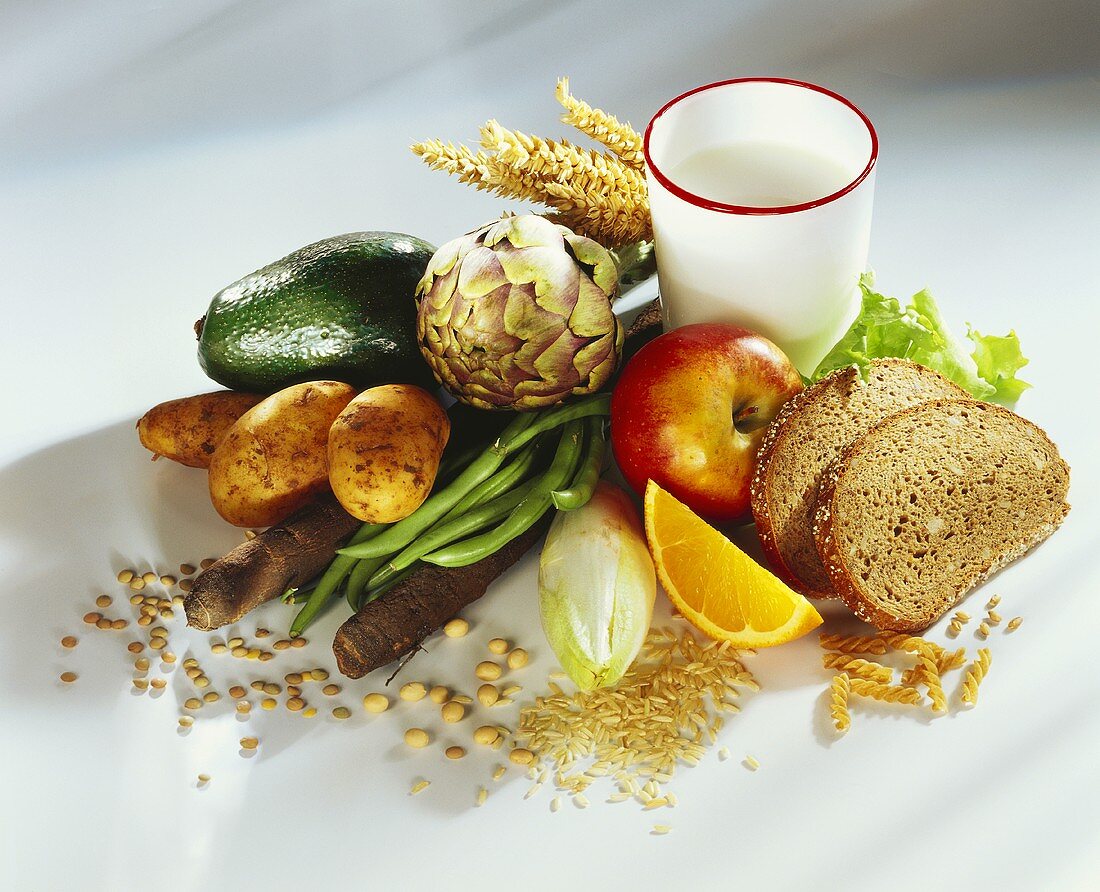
{"points": [[858, 668], [975, 672], [854, 644], [886, 693], [838, 707]]}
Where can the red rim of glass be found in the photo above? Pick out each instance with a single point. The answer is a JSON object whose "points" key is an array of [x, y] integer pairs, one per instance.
{"points": [[710, 204]]}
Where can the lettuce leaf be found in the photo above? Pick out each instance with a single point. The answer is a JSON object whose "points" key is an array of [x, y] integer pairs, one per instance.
{"points": [[917, 332]]}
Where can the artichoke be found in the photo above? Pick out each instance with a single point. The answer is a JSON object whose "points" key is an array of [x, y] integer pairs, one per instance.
{"points": [[517, 315]]}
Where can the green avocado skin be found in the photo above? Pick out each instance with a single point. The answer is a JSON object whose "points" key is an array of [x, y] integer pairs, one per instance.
{"points": [[341, 309]]}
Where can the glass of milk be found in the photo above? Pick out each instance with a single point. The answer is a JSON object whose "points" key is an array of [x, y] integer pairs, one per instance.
{"points": [[761, 193]]}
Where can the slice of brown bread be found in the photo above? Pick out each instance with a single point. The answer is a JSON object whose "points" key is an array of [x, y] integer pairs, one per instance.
{"points": [[810, 432], [930, 502]]}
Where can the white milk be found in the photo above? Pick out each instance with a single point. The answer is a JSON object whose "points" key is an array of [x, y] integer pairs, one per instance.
{"points": [[760, 173]]}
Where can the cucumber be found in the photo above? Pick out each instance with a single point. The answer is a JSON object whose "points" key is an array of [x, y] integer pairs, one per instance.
{"points": [[341, 309]]}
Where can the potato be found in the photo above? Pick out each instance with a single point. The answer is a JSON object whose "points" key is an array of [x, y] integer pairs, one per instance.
{"points": [[272, 461], [384, 451], [188, 429]]}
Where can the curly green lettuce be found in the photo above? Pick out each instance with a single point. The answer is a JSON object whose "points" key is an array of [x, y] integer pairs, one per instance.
{"points": [[917, 332]]}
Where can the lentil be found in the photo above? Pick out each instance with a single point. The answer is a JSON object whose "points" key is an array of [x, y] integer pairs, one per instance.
{"points": [[1014, 624], [293, 691], [141, 683], [453, 712], [487, 670], [487, 694], [456, 628], [318, 674], [124, 576], [149, 577], [249, 743], [417, 738], [141, 664], [309, 713], [413, 691], [104, 601], [68, 677], [330, 690], [69, 641], [454, 752], [517, 659], [186, 721], [439, 694], [292, 678], [521, 756], [159, 683], [136, 599], [92, 618], [168, 657], [266, 655], [281, 644], [192, 703], [257, 685], [486, 735], [272, 689], [137, 584], [237, 692], [299, 642], [269, 703], [376, 703], [498, 646], [135, 647], [341, 712], [294, 704], [244, 707]]}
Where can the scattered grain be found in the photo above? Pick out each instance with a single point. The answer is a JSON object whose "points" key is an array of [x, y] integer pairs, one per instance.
{"points": [[341, 712], [318, 674], [294, 704], [454, 752], [186, 721], [309, 712], [124, 576], [521, 756], [517, 659], [751, 763], [482, 795], [299, 642], [992, 602], [69, 642], [211, 697], [237, 692], [498, 772], [417, 738], [994, 618], [159, 683], [137, 584], [92, 618], [487, 670], [498, 646], [1014, 624], [330, 690], [281, 644], [192, 703], [104, 601], [141, 683], [168, 657], [456, 628], [488, 694], [419, 787], [269, 703], [249, 743], [244, 707], [661, 829]]}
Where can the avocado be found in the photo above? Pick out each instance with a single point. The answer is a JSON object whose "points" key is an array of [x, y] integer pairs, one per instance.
{"points": [[340, 309]]}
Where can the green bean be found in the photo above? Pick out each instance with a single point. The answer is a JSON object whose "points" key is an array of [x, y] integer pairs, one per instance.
{"points": [[376, 593], [510, 441], [584, 484], [525, 514], [359, 580], [442, 534], [404, 531], [330, 581], [502, 481]]}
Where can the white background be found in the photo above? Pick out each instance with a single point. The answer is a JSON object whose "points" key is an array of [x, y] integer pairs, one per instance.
{"points": [[150, 153]]}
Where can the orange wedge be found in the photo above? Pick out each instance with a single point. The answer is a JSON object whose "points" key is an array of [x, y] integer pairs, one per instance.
{"points": [[716, 586]]}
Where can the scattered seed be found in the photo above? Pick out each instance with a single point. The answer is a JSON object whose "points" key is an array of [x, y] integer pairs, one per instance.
{"points": [[269, 703], [521, 756], [299, 642], [271, 689], [204, 779], [193, 672], [341, 712], [249, 743], [281, 644], [510, 690], [104, 601], [141, 664], [266, 655], [135, 647], [498, 646], [417, 738], [309, 713], [235, 642], [413, 691], [517, 659], [185, 585], [186, 721], [962, 616], [168, 657], [994, 618], [294, 704], [239, 651], [376, 703], [1014, 624], [454, 752], [253, 653], [580, 800], [69, 641], [660, 829], [319, 674], [498, 772], [292, 678], [149, 577], [419, 787], [201, 681], [487, 670], [293, 691], [486, 735], [159, 683], [452, 712], [482, 795], [243, 706], [992, 602], [137, 584], [263, 633], [141, 683], [723, 753], [488, 694], [124, 576], [68, 677], [207, 563], [330, 690], [192, 703], [237, 692], [456, 628], [103, 623], [983, 630], [751, 763], [463, 699], [92, 618], [144, 620]]}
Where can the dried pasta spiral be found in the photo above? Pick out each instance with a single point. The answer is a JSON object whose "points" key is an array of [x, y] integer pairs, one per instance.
{"points": [[838, 704], [854, 644], [884, 692], [975, 672], [857, 668]]}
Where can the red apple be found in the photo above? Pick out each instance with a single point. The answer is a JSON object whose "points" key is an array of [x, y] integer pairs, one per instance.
{"points": [[690, 409]]}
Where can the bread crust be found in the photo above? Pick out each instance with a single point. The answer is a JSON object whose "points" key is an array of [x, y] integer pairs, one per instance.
{"points": [[845, 582]]}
